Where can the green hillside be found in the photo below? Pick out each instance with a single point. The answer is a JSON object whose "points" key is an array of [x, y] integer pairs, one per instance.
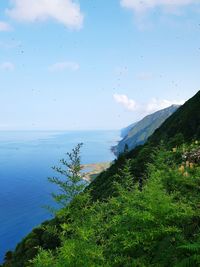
{"points": [[142, 212], [182, 126], [138, 133], [186, 121]]}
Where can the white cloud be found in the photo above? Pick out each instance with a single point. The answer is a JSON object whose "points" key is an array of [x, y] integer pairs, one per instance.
{"points": [[66, 12], [4, 27], [141, 6], [151, 106], [157, 104], [7, 66], [126, 102], [66, 65]]}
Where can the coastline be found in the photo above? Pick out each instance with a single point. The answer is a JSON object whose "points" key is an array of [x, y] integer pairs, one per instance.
{"points": [[91, 171]]}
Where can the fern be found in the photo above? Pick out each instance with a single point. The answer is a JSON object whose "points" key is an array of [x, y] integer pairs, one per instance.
{"points": [[190, 260]]}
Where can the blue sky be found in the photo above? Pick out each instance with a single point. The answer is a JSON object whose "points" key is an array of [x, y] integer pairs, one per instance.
{"points": [[94, 64]]}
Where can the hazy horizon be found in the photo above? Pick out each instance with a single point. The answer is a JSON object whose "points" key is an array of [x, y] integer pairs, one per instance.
{"points": [[95, 65]]}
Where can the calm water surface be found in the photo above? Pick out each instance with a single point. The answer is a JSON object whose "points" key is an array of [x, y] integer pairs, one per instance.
{"points": [[25, 163]]}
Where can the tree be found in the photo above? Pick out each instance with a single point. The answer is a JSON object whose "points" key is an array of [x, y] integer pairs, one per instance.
{"points": [[8, 259], [71, 182], [126, 148]]}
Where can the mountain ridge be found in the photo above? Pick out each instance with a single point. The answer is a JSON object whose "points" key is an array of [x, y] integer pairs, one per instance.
{"points": [[138, 133], [140, 156], [186, 120]]}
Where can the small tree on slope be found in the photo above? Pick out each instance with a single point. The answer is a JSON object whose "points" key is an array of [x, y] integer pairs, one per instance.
{"points": [[71, 181]]}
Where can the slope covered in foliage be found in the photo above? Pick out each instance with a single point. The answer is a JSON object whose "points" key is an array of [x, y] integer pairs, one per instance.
{"points": [[186, 120], [142, 211], [138, 133], [153, 225], [182, 126], [158, 226]]}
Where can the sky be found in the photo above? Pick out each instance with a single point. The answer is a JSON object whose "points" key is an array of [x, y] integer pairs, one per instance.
{"points": [[95, 64]]}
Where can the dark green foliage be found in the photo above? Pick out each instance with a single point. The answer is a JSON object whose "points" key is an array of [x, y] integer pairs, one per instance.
{"points": [[8, 258], [126, 148], [177, 140], [182, 126], [158, 226], [138, 133], [101, 187], [28, 248], [143, 211], [186, 120], [192, 255], [133, 228], [46, 236], [140, 157]]}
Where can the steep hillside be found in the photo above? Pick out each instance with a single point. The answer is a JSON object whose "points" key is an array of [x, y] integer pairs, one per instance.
{"points": [[126, 130], [138, 133], [185, 121], [147, 213], [156, 225], [153, 224], [182, 126]]}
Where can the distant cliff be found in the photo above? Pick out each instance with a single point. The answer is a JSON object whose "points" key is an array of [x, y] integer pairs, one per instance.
{"points": [[138, 133]]}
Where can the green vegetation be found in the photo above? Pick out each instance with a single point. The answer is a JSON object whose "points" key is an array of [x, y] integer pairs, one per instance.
{"points": [[185, 121], [158, 226], [71, 182], [182, 126], [138, 133], [142, 211]]}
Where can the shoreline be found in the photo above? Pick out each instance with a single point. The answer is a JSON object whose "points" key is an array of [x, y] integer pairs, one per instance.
{"points": [[94, 169]]}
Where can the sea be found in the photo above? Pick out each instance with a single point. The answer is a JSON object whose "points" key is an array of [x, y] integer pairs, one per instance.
{"points": [[26, 161]]}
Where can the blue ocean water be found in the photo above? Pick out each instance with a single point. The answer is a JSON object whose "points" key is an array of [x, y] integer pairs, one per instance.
{"points": [[26, 159]]}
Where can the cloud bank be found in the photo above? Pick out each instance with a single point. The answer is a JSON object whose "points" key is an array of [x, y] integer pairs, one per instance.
{"points": [[151, 106], [157, 104], [66, 12], [126, 102], [144, 5]]}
